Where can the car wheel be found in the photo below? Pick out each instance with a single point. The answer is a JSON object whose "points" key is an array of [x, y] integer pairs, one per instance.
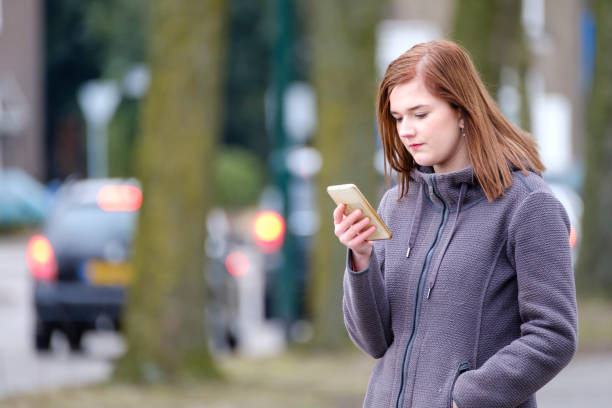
{"points": [[75, 335], [42, 337]]}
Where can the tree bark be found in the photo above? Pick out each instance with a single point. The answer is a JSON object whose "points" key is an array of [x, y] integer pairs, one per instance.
{"points": [[492, 33], [594, 271], [343, 73], [165, 331]]}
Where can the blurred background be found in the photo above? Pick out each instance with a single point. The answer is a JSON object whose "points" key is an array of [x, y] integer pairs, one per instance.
{"points": [[165, 234]]}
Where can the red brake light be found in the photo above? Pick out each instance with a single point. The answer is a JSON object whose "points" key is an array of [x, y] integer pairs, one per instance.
{"points": [[269, 231], [573, 238], [237, 264], [119, 198], [41, 258]]}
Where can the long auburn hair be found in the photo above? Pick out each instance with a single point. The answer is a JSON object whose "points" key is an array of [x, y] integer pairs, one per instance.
{"points": [[494, 144]]}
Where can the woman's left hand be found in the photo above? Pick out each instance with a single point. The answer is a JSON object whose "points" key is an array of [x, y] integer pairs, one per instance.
{"points": [[455, 405]]}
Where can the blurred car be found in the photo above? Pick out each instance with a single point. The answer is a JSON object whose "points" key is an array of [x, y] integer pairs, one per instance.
{"points": [[80, 262], [23, 200]]}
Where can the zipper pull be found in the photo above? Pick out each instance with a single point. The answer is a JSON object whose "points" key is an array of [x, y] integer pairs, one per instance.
{"points": [[408, 252], [428, 292]]}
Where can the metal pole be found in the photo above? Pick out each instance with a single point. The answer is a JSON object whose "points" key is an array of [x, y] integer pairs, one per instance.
{"points": [[284, 286], [91, 152], [98, 101], [97, 151]]}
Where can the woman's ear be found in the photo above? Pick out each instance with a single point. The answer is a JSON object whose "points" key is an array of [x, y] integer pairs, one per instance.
{"points": [[460, 117]]}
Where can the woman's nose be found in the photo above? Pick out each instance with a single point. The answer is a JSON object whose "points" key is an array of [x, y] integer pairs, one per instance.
{"points": [[405, 129]]}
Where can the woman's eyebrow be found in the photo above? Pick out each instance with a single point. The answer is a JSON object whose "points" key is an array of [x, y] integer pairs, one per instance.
{"points": [[411, 109]]}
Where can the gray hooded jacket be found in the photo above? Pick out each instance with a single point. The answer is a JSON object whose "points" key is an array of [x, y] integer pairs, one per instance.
{"points": [[470, 300]]}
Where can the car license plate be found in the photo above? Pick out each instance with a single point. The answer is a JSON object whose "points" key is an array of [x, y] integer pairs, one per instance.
{"points": [[108, 274]]}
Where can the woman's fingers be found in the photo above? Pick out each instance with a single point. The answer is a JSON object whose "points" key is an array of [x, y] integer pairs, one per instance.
{"points": [[347, 228], [361, 238], [345, 224], [350, 230], [350, 219], [354, 230], [338, 213]]}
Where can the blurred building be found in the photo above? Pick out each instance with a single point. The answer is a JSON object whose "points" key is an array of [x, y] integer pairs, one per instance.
{"points": [[21, 86]]}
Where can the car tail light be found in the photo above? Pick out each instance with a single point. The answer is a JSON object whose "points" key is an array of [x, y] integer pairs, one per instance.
{"points": [[237, 264], [119, 198], [573, 238], [41, 258]]}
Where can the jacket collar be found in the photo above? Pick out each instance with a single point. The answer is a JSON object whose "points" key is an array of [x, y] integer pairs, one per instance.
{"points": [[446, 186]]}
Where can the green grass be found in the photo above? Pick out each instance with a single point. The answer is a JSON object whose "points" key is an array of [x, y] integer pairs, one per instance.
{"points": [[594, 325]]}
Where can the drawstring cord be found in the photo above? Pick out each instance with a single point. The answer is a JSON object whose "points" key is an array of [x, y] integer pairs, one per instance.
{"points": [[416, 219], [431, 281]]}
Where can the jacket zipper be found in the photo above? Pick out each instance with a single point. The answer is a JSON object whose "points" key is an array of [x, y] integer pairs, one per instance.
{"points": [[422, 278], [462, 369]]}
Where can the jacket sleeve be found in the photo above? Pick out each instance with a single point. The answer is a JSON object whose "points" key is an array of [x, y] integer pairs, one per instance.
{"points": [[365, 305], [538, 245]]}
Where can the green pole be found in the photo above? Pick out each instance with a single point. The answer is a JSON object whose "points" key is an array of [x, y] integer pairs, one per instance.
{"points": [[284, 285]]}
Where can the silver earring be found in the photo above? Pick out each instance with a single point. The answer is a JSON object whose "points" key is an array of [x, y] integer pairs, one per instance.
{"points": [[462, 132]]}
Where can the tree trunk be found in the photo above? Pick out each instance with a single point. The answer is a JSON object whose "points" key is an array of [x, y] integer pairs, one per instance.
{"points": [[165, 332], [594, 272], [473, 28], [343, 73], [492, 33]]}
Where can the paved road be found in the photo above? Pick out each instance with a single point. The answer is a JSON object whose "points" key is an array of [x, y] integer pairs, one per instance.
{"points": [[586, 382]]}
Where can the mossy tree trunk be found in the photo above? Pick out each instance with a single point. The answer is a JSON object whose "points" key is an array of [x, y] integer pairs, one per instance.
{"points": [[594, 272], [165, 332], [492, 33], [342, 37]]}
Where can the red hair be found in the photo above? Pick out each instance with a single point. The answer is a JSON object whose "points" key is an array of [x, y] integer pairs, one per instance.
{"points": [[494, 144]]}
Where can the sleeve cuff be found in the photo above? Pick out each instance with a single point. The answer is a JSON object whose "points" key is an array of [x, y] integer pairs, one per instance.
{"points": [[349, 263]]}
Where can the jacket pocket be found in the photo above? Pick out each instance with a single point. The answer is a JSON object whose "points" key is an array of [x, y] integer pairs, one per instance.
{"points": [[463, 367]]}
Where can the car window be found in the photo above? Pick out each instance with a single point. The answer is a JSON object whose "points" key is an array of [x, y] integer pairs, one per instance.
{"points": [[86, 230]]}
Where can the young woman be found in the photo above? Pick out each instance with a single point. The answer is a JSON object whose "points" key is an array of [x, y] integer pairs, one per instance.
{"points": [[472, 303]]}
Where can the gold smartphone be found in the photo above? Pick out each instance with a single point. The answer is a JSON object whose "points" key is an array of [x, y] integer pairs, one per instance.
{"points": [[350, 195]]}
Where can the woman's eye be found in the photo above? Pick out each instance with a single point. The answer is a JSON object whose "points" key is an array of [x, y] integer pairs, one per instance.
{"points": [[398, 119], [421, 115]]}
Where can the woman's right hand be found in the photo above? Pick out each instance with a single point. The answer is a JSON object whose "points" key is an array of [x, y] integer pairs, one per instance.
{"points": [[353, 233]]}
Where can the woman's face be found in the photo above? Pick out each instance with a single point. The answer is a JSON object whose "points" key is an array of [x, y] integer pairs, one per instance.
{"points": [[428, 127]]}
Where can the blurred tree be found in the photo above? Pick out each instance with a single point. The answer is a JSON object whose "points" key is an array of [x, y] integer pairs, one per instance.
{"points": [[165, 332], [247, 67], [119, 28], [123, 133], [343, 73], [492, 33], [87, 40], [70, 59], [93, 39], [235, 166], [594, 270]]}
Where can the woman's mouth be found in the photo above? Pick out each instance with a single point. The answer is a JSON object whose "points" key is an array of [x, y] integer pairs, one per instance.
{"points": [[416, 146]]}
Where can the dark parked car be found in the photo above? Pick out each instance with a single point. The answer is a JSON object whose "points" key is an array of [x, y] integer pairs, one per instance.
{"points": [[80, 262]]}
